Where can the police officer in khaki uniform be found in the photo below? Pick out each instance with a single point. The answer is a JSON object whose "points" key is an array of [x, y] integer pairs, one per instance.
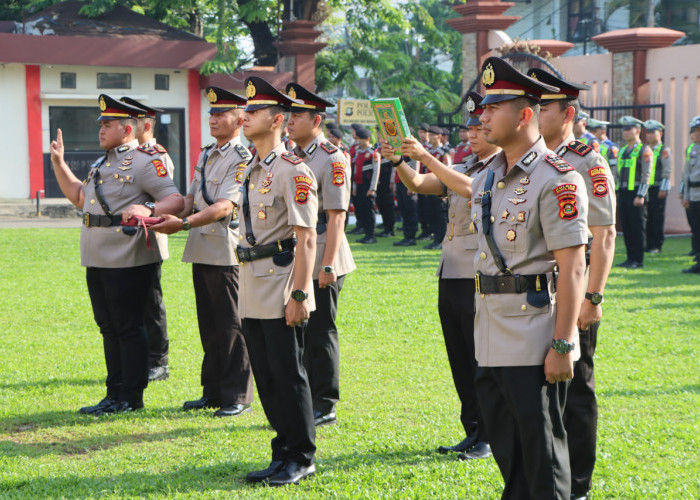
{"points": [[212, 199], [333, 257], [120, 267], [277, 251], [633, 174], [690, 191], [557, 112], [456, 269], [156, 321], [659, 184], [529, 209]]}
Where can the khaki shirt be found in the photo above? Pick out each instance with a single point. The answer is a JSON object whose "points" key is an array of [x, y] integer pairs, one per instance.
{"points": [[536, 209], [215, 244], [165, 157], [332, 170], [691, 173], [596, 173], [460, 242], [129, 176], [282, 194]]}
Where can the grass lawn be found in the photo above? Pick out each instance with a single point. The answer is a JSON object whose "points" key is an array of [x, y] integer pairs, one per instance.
{"points": [[398, 402]]}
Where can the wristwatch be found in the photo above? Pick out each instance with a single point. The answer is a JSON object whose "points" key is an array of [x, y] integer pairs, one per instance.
{"points": [[151, 206], [397, 163], [300, 295], [595, 298], [186, 225], [328, 269], [562, 346]]}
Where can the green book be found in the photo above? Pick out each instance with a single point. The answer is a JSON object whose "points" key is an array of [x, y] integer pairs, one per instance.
{"points": [[391, 120]]}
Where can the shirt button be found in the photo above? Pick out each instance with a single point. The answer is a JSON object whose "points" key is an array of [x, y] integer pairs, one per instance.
{"points": [[493, 219], [101, 181], [449, 237], [252, 186], [262, 204], [271, 271], [474, 216], [452, 215], [213, 230], [92, 202], [501, 185], [523, 307], [116, 176], [482, 255], [118, 229], [108, 164], [482, 295], [121, 180], [216, 180]]}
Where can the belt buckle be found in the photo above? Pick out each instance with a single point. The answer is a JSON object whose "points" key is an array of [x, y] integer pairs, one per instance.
{"points": [[86, 219], [477, 282]]}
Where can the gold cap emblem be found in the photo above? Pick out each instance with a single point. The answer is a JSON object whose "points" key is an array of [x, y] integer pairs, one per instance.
{"points": [[489, 76], [533, 75], [471, 106], [103, 105], [211, 95], [250, 90], [292, 93]]}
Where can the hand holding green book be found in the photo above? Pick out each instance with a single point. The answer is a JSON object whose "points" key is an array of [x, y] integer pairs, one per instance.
{"points": [[391, 120]]}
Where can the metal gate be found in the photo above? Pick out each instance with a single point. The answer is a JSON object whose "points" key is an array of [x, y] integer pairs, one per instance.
{"points": [[613, 114]]}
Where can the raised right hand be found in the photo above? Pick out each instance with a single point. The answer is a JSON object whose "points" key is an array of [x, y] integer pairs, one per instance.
{"points": [[56, 148]]}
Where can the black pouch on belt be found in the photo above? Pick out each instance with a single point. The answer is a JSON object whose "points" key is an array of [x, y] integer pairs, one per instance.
{"points": [[283, 259], [129, 230], [538, 299]]}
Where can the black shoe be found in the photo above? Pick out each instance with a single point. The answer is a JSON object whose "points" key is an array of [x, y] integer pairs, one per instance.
{"points": [[694, 270], [635, 265], [576, 496], [479, 450], [260, 475], [158, 373], [232, 410], [356, 230], [654, 250], [406, 242], [118, 407], [321, 418], [200, 404], [386, 233], [624, 264], [460, 447], [367, 240], [425, 236], [90, 410], [291, 473], [433, 246]]}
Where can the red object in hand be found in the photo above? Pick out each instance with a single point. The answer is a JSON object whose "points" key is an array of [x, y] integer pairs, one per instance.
{"points": [[145, 223]]}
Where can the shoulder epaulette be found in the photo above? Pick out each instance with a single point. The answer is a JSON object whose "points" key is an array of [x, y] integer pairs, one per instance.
{"points": [[579, 148], [207, 146], [291, 158], [160, 149], [243, 152], [558, 162], [328, 147], [147, 149]]}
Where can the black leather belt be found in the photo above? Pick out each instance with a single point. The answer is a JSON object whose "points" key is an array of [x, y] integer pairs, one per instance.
{"points": [[517, 283], [694, 184], [322, 223], [96, 220], [263, 251]]}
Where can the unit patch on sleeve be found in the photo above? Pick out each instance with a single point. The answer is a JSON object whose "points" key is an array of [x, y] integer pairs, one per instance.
{"points": [[291, 158], [579, 148], [303, 184], [328, 147], [161, 171], [239, 176], [559, 163], [600, 181], [566, 195], [338, 173]]}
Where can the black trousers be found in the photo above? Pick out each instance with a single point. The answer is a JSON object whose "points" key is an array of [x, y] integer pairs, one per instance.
{"points": [[633, 220], [276, 352], [523, 419], [456, 309], [581, 415], [364, 206], [656, 218], [156, 324], [321, 351], [693, 214], [118, 296], [408, 206], [437, 214], [423, 215], [385, 200], [226, 373]]}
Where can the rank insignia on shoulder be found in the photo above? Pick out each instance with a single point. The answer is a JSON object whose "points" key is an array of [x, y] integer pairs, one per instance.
{"points": [[160, 149], [147, 149], [558, 162], [123, 148], [310, 150], [161, 171], [207, 146], [532, 156], [579, 148], [243, 152], [270, 158], [328, 147], [291, 158]]}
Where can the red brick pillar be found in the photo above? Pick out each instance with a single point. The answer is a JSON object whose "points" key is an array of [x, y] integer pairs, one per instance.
{"points": [[629, 48], [298, 40]]}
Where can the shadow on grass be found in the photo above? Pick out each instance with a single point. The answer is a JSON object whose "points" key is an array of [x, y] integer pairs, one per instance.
{"points": [[678, 389]]}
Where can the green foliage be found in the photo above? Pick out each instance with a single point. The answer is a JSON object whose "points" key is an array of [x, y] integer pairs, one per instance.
{"points": [[398, 401], [396, 47]]}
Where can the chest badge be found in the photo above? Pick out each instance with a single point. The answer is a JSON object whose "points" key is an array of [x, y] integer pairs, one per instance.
{"points": [[525, 181], [267, 181], [520, 190], [517, 201], [263, 190], [505, 214], [520, 217], [511, 235], [262, 215]]}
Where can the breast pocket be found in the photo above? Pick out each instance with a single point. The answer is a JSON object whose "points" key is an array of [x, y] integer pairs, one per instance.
{"points": [[262, 212], [126, 184], [267, 268], [213, 188], [512, 230]]}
